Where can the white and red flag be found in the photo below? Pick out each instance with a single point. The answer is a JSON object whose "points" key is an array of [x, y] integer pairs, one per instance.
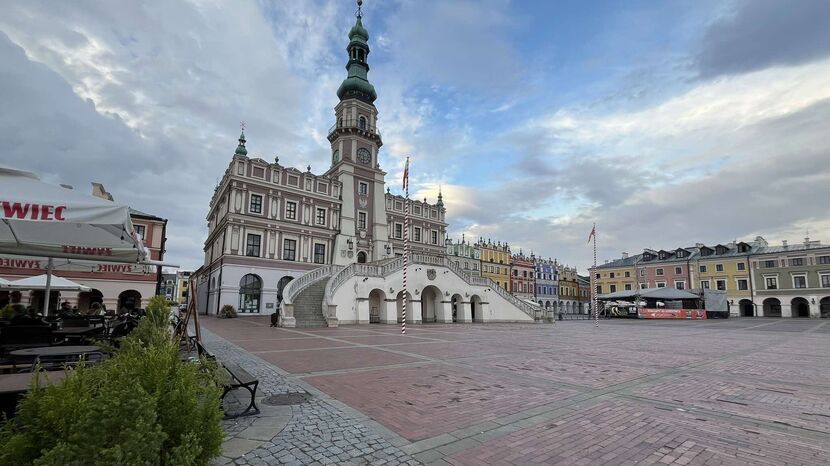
{"points": [[406, 174], [593, 233]]}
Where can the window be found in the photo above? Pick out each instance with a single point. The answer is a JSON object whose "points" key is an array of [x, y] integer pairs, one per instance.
{"points": [[643, 272], [822, 260], [772, 283], [661, 284], [611, 275], [515, 273], [741, 266], [361, 123], [250, 288], [797, 262], [289, 250], [140, 230], [252, 245], [398, 231], [597, 276], [799, 281], [659, 271], [627, 274], [825, 281], [417, 235], [678, 271], [643, 286], [363, 188], [720, 284], [524, 274], [613, 288], [768, 264], [434, 237], [291, 210], [743, 284], [319, 253], [321, 216], [718, 267], [256, 204], [704, 284], [361, 220], [599, 289], [702, 269], [680, 285], [628, 287]]}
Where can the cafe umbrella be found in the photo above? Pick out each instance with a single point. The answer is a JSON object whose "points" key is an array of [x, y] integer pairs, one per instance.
{"points": [[46, 220]]}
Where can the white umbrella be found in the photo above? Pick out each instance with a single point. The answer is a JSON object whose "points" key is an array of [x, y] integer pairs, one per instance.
{"points": [[40, 283], [41, 219]]}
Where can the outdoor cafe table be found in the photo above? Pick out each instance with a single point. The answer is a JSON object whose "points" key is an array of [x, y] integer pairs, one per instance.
{"points": [[18, 383], [74, 331], [32, 353]]}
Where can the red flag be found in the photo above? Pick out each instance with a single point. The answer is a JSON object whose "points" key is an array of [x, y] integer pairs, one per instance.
{"points": [[593, 233], [406, 174]]}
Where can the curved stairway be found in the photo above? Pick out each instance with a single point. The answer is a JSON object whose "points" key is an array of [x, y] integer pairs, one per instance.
{"points": [[308, 305]]}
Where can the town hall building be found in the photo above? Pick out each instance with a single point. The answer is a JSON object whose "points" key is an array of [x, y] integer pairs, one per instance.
{"points": [[279, 234]]}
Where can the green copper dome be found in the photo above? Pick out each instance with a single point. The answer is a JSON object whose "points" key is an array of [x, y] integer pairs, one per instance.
{"points": [[358, 31], [240, 149]]}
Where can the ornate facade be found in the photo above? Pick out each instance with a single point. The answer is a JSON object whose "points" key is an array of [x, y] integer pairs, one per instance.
{"points": [[495, 262], [466, 256], [523, 276], [547, 283]]}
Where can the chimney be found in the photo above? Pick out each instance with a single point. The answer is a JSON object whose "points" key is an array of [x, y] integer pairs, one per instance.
{"points": [[625, 255], [784, 243]]}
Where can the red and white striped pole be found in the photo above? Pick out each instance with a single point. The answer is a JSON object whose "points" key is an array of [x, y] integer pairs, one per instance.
{"points": [[593, 278], [405, 245]]}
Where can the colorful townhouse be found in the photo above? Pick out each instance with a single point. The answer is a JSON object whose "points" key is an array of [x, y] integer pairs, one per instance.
{"points": [[523, 276], [791, 280], [547, 283], [726, 267], [658, 269], [467, 256], [568, 290], [617, 275], [495, 262]]}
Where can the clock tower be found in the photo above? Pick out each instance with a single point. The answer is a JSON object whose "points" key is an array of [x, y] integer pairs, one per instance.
{"points": [[355, 143]]}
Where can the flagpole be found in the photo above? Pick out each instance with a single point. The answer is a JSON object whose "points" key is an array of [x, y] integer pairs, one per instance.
{"points": [[593, 278], [405, 245]]}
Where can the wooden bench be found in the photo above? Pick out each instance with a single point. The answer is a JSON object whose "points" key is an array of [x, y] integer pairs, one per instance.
{"points": [[237, 378]]}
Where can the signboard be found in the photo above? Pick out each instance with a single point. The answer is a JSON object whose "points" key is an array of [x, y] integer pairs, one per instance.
{"points": [[692, 314], [38, 263]]}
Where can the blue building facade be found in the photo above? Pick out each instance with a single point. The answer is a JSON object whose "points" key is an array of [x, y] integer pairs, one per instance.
{"points": [[547, 283]]}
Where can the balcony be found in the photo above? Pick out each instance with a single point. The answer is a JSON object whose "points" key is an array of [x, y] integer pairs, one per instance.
{"points": [[360, 126]]}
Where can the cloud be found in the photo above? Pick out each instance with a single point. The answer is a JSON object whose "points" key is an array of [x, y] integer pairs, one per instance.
{"points": [[764, 33]]}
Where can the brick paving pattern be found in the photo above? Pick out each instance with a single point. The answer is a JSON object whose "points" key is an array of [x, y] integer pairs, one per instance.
{"points": [[737, 391]]}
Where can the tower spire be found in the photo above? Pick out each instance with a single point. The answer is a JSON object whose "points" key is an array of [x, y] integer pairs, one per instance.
{"points": [[240, 149], [357, 85]]}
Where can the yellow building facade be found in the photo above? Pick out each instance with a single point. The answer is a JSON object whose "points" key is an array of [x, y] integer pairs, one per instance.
{"points": [[725, 268], [617, 275], [496, 262]]}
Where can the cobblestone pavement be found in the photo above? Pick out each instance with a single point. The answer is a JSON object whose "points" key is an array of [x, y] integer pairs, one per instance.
{"points": [[738, 391]]}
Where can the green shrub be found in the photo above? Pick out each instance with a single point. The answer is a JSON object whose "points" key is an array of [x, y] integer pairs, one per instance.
{"points": [[227, 312], [142, 406]]}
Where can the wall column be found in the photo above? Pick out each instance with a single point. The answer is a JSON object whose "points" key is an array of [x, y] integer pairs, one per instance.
{"points": [[389, 311], [443, 312], [463, 312], [362, 311], [413, 311]]}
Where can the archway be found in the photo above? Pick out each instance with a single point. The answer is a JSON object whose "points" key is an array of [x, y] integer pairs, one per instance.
{"points": [[430, 302], [129, 300], [746, 307], [457, 307], [361, 257], [399, 299], [547, 304], [772, 307], [824, 307], [87, 298], [476, 313], [284, 281], [800, 307], [377, 299], [250, 292]]}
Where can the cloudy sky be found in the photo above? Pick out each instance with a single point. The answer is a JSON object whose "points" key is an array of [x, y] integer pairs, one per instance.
{"points": [[666, 123]]}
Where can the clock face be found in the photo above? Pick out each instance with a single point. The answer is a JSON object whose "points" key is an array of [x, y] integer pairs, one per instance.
{"points": [[336, 156], [363, 156]]}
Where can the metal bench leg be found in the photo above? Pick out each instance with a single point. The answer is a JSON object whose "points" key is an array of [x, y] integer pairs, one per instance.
{"points": [[252, 405]]}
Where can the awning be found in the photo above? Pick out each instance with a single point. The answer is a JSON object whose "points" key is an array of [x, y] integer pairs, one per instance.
{"points": [[39, 282], [41, 219]]}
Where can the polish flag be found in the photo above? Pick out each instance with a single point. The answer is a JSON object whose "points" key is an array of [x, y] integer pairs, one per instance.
{"points": [[593, 233]]}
